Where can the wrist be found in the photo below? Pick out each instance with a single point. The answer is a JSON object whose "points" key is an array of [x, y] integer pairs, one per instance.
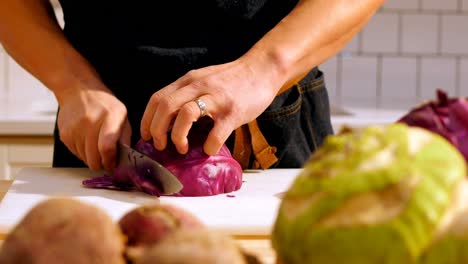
{"points": [[71, 86], [272, 63]]}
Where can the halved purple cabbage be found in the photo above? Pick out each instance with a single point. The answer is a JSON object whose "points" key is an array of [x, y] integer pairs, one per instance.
{"points": [[200, 174], [445, 116]]}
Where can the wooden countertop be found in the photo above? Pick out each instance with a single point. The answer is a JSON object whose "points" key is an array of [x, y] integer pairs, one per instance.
{"points": [[259, 246]]}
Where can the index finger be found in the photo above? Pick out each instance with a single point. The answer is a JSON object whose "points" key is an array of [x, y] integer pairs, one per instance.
{"points": [[153, 104], [109, 135]]}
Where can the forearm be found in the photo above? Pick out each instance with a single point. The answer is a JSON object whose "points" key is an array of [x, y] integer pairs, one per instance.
{"points": [[32, 36], [313, 32]]}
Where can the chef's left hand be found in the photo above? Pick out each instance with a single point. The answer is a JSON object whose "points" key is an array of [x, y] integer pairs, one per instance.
{"points": [[235, 93]]}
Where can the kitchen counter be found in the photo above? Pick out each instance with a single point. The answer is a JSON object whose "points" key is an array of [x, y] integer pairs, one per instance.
{"points": [[360, 117], [259, 246], [23, 119]]}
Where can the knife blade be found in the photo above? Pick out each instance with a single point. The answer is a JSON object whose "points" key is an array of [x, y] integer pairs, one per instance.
{"points": [[166, 181]]}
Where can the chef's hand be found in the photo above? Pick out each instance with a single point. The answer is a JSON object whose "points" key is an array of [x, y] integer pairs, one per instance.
{"points": [[234, 93], [91, 122]]}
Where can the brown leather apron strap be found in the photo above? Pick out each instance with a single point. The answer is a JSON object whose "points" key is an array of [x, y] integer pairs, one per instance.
{"points": [[264, 153], [249, 138], [242, 146], [290, 84]]}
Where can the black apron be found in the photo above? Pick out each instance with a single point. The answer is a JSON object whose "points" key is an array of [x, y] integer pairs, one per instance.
{"points": [[141, 47]]}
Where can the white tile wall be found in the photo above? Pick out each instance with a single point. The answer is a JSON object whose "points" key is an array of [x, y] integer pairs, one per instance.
{"points": [[359, 102], [23, 86], [438, 73], [455, 34], [464, 4], [17, 84], [359, 78], [402, 4], [412, 47], [399, 77], [419, 33], [463, 85], [330, 68], [440, 4], [381, 34], [398, 104], [353, 45]]}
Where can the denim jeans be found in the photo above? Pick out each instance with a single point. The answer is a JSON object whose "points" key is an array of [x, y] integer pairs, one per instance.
{"points": [[298, 121]]}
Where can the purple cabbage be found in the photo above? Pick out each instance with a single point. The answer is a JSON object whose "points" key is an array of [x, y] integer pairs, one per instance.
{"points": [[200, 174], [445, 116]]}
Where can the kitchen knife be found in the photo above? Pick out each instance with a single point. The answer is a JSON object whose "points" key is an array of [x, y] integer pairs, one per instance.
{"points": [[165, 180]]}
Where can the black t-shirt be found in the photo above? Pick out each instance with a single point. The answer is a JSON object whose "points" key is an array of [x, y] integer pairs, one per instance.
{"points": [[139, 46]]}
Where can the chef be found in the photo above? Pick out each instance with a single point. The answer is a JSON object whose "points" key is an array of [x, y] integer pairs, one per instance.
{"points": [[123, 70]]}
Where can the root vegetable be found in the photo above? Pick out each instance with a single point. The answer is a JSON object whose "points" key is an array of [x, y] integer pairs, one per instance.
{"points": [[64, 230], [149, 223], [194, 246]]}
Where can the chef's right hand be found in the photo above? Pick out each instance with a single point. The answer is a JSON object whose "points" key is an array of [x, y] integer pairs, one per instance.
{"points": [[90, 123]]}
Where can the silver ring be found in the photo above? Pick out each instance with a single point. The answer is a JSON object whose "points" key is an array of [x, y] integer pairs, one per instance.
{"points": [[202, 106]]}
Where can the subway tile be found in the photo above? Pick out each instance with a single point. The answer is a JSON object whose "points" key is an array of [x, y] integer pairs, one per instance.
{"points": [[437, 73], [335, 104], [454, 34], [419, 33], [464, 5], [463, 78], [402, 4], [23, 86], [352, 45], [399, 78], [330, 71], [381, 33], [359, 77], [399, 104], [440, 4], [356, 102]]}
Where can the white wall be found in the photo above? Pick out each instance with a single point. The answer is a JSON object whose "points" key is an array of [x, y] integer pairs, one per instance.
{"points": [[409, 49], [18, 85]]}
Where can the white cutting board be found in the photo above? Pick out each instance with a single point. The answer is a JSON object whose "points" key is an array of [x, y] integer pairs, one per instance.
{"points": [[251, 211]]}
